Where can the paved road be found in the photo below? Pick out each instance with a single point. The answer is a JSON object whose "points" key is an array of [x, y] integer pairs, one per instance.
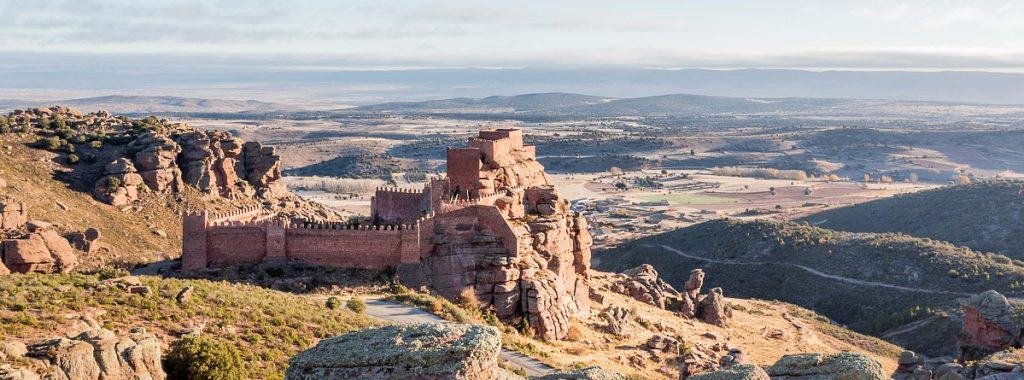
{"points": [[814, 272], [400, 313]]}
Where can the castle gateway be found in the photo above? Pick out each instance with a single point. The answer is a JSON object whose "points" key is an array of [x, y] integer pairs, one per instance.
{"points": [[494, 226]]}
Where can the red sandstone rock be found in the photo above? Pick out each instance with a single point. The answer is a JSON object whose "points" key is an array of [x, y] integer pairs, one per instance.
{"points": [[64, 258], [12, 214], [991, 323], [28, 255]]}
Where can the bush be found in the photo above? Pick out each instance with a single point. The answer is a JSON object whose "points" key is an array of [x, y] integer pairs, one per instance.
{"points": [[356, 304], [333, 303], [49, 143], [72, 158], [202, 358]]}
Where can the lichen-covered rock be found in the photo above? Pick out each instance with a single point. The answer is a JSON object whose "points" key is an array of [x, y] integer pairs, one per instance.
{"points": [[589, 373], [97, 354], [736, 372], [843, 365], [416, 351], [992, 323]]}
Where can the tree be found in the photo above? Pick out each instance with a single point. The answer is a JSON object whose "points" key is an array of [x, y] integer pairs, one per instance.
{"points": [[615, 170], [356, 304]]}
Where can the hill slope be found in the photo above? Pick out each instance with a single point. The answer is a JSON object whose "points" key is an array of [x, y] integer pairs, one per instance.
{"points": [[267, 326], [985, 216], [870, 282]]}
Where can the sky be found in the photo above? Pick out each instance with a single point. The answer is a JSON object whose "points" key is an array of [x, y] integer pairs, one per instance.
{"points": [[919, 35]]}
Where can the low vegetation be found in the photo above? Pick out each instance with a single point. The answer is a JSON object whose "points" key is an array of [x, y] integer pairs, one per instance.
{"points": [[765, 173], [773, 260], [985, 216], [267, 327]]}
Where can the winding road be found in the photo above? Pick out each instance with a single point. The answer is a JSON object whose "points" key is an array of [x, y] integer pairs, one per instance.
{"points": [[400, 313], [813, 272]]}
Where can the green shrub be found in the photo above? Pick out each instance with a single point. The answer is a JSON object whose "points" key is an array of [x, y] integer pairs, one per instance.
{"points": [[72, 158], [333, 303], [96, 144], [109, 272], [111, 183], [356, 304], [204, 358], [49, 143]]}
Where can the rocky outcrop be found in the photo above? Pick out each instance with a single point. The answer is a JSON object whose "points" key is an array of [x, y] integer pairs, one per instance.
{"points": [[156, 156], [12, 214], [1008, 364], [712, 308], [87, 241], [96, 353], [416, 351], [991, 323], [736, 372], [617, 319], [39, 252], [843, 365], [161, 155], [589, 373], [642, 283], [120, 183]]}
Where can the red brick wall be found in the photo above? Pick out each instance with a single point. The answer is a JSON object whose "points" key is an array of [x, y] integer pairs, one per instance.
{"points": [[236, 245], [370, 249], [397, 205], [463, 168]]}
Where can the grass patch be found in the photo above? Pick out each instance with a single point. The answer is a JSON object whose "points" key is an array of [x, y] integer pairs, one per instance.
{"points": [[268, 327]]}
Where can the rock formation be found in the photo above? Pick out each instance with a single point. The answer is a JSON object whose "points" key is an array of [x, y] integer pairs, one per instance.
{"points": [[12, 214], [991, 323], [642, 283], [39, 252], [119, 184], [589, 373], [843, 365], [96, 353], [155, 155], [420, 351], [737, 372]]}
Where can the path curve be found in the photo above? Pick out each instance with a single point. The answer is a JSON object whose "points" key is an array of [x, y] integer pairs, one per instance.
{"points": [[401, 313], [814, 272]]}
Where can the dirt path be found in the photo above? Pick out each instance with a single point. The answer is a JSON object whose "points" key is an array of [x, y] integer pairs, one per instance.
{"points": [[814, 272], [400, 313]]}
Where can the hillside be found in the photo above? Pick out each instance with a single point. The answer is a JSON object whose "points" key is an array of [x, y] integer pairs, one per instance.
{"points": [[267, 326], [985, 216], [870, 282], [132, 231]]}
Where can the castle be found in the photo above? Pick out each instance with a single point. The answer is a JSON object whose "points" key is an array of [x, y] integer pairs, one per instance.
{"points": [[494, 228]]}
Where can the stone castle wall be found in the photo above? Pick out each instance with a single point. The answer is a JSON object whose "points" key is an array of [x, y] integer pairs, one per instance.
{"points": [[221, 243], [398, 205]]}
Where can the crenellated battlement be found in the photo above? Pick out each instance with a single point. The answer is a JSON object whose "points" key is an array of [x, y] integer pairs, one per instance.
{"points": [[401, 190]]}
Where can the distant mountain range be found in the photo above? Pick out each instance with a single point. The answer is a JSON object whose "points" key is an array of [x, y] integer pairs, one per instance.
{"points": [[43, 76], [574, 105], [124, 104]]}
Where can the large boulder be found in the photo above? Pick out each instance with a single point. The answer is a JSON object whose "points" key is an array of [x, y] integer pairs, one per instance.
{"points": [[41, 252], [992, 323], [28, 255], [712, 308], [736, 372], [843, 365], [416, 351], [96, 353], [642, 283], [588, 373], [12, 214]]}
